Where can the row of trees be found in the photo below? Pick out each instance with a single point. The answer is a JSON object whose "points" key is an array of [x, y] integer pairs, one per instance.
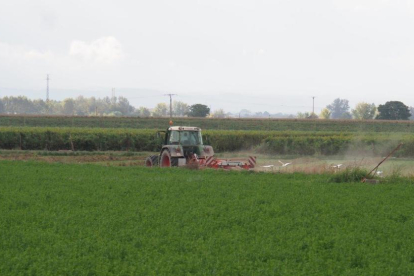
{"points": [[81, 106], [179, 109], [116, 106], [120, 106], [339, 109]]}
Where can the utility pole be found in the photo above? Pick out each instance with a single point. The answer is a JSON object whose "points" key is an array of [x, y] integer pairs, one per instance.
{"points": [[47, 94], [313, 105], [47, 88], [170, 95], [113, 95]]}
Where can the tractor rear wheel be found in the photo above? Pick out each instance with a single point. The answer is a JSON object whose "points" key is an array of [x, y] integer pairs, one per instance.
{"points": [[165, 159], [151, 161]]}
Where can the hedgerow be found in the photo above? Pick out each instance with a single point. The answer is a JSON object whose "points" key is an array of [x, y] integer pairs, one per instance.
{"points": [[272, 142]]}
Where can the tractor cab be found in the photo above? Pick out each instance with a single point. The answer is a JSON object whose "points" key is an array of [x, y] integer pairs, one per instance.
{"points": [[185, 136], [186, 140]]}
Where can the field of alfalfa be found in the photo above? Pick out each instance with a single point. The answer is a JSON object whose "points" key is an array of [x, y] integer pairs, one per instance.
{"points": [[78, 219]]}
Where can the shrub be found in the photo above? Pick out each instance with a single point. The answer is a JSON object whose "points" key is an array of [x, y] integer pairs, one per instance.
{"points": [[350, 174]]}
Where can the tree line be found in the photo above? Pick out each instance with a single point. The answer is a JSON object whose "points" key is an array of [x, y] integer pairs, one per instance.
{"points": [[120, 106], [340, 109], [82, 106]]}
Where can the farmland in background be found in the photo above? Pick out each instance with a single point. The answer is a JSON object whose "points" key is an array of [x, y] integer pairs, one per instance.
{"points": [[60, 219], [271, 142], [209, 123]]}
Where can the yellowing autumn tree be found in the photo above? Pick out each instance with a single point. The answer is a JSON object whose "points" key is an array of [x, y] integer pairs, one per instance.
{"points": [[364, 111]]}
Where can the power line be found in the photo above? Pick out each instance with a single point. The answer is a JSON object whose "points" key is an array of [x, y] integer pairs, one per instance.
{"points": [[144, 97]]}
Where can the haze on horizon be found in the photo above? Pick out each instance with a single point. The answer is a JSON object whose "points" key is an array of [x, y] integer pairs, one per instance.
{"points": [[234, 54]]}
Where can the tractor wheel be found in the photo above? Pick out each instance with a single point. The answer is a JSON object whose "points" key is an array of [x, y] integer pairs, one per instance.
{"points": [[165, 159], [151, 161]]}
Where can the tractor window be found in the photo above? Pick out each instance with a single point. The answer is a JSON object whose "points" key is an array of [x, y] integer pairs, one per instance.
{"points": [[190, 138], [174, 137]]}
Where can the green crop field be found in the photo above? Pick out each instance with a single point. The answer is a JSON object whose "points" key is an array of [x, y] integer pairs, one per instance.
{"points": [[61, 219], [209, 123]]}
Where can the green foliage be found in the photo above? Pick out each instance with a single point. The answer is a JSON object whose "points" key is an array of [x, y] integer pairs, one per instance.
{"points": [[160, 109], [353, 174], [143, 112], [312, 116], [1, 107], [22, 105], [82, 139], [302, 115], [146, 122], [393, 110], [92, 220], [68, 107], [79, 106], [364, 111], [339, 109], [219, 113], [271, 142], [325, 114], [180, 109], [199, 110]]}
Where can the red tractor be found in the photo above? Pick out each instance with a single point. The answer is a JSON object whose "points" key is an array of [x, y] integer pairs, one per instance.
{"points": [[184, 145]]}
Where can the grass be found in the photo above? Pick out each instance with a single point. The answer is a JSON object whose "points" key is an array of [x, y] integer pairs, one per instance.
{"points": [[355, 174], [66, 219]]}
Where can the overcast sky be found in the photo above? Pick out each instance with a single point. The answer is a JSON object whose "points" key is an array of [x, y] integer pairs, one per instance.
{"points": [[259, 55]]}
